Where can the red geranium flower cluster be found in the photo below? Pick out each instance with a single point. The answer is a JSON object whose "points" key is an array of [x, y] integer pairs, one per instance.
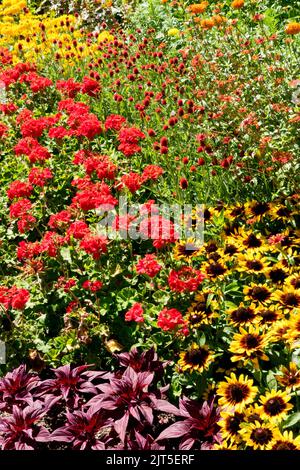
{"points": [[135, 313], [92, 286], [186, 279], [169, 319], [94, 245], [129, 140], [148, 265], [14, 298], [114, 122]]}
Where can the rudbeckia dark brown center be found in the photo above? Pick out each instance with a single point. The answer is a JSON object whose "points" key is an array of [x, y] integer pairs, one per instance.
{"points": [[274, 406], [260, 293], [277, 275], [250, 341], [215, 269], [230, 250], [260, 208], [254, 265], [268, 316], [196, 357], [291, 299], [252, 241], [296, 283], [237, 392], [187, 250], [242, 314], [283, 445], [283, 212], [211, 248], [233, 423], [261, 436]]}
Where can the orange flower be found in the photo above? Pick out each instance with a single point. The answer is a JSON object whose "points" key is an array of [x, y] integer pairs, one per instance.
{"points": [[197, 8], [207, 24], [238, 3], [293, 28]]}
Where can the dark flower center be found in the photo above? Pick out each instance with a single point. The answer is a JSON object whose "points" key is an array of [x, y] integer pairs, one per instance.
{"points": [[233, 423], [216, 269], [268, 316], [196, 357], [260, 208], [250, 341], [252, 241], [237, 211], [260, 293], [282, 445], [274, 406], [242, 314], [296, 283], [254, 265], [277, 275], [237, 392], [261, 436], [291, 299], [230, 250], [211, 248], [284, 212]]}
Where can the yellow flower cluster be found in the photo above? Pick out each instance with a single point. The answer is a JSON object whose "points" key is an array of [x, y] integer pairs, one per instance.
{"points": [[33, 38]]}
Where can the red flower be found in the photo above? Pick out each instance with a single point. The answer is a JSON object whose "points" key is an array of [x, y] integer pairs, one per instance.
{"points": [[132, 181], [19, 189], [148, 265], [186, 279], [19, 298], [92, 286], [151, 172], [115, 122], [135, 313], [39, 176], [3, 130], [78, 230], [90, 87], [169, 319], [94, 245], [60, 219]]}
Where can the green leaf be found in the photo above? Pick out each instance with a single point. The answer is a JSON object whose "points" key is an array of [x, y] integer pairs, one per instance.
{"points": [[271, 381], [292, 420]]}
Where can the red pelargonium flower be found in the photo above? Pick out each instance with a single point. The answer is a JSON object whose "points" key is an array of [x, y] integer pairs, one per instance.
{"points": [[14, 297], [115, 122], [186, 279], [92, 286], [90, 87], [3, 130], [59, 220], [151, 172], [68, 87], [39, 176], [94, 245], [135, 313], [132, 181], [78, 229], [148, 265], [169, 319], [19, 189]]}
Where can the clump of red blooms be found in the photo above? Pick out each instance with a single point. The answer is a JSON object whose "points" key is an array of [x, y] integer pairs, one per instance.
{"points": [[135, 313], [186, 279]]}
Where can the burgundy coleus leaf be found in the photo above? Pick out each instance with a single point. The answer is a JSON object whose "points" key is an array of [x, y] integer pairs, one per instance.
{"points": [[69, 382], [17, 387], [83, 429], [146, 361], [139, 442], [22, 429], [199, 425], [127, 398]]}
